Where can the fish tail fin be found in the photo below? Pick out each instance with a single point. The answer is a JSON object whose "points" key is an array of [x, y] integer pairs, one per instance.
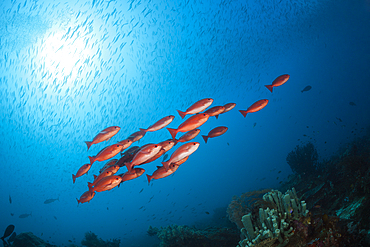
{"points": [[175, 141], [89, 185], [88, 145], [269, 87], [143, 130], [166, 165], [129, 167], [74, 178], [78, 201], [92, 159], [149, 177], [244, 113], [94, 176], [173, 132], [182, 114], [205, 138], [217, 116]]}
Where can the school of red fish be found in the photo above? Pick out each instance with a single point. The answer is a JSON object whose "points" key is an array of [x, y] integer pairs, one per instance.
{"points": [[136, 156]]}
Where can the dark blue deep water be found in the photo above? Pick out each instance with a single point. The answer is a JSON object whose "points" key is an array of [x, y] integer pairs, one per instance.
{"points": [[69, 69]]}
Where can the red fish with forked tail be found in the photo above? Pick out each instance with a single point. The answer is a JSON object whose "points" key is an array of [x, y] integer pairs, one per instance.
{"points": [[160, 124], [197, 107], [280, 80], [86, 197], [255, 107], [104, 135], [215, 132], [135, 173], [108, 164], [107, 153], [83, 170], [188, 136], [166, 145], [98, 178], [107, 183], [228, 107], [191, 123], [145, 153], [161, 172], [181, 153], [136, 136], [215, 111]]}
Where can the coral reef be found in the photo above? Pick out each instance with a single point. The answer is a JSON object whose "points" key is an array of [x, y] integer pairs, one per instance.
{"points": [[92, 240], [275, 224], [339, 189], [184, 236], [303, 159], [29, 240], [240, 206]]}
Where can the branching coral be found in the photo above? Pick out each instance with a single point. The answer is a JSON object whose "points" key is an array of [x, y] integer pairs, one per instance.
{"points": [[303, 159]]}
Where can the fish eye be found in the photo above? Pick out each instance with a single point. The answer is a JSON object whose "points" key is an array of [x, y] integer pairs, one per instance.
{"points": [[155, 146]]}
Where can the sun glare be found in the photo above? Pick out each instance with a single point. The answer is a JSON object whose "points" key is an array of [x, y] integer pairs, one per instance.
{"points": [[64, 56]]}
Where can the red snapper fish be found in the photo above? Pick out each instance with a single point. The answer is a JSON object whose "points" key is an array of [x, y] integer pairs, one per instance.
{"points": [[161, 172], [136, 136], [108, 164], [86, 197], [136, 172], [215, 111], [125, 143], [228, 107], [107, 183], [181, 153], [104, 135], [98, 178], [190, 135], [215, 132], [166, 145], [107, 153], [145, 153], [191, 123], [280, 80], [197, 107], [255, 107], [160, 124], [83, 170]]}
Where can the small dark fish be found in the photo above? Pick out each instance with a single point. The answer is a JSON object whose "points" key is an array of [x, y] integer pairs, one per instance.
{"points": [[51, 200], [12, 237], [107, 208], [207, 212], [340, 120], [308, 88], [8, 231], [279, 171], [55, 217], [11, 214], [352, 103], [141, 190], [165, 156], [228, 144], [10, 199], [69, 240], [254, 125], [22, 216], [277, 178]]}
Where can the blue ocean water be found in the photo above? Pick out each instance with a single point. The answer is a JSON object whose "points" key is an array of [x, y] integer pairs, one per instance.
{"points": [[70, 69]]}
